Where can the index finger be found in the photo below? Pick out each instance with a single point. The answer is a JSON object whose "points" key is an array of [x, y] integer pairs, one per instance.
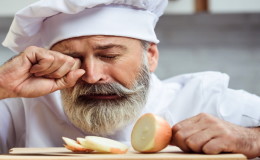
{"points": [[185, 123]]}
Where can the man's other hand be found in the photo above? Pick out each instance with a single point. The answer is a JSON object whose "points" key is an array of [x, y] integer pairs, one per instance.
{"points": [[36, 72], [207, 134]]}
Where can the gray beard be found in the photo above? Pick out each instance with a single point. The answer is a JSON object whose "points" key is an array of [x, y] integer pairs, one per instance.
{"points": [[104, 117]]}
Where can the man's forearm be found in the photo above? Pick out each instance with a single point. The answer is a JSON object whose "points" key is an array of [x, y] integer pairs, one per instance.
{"points": [[252, 142], [4, 83], [3, 93], [257, 138]]}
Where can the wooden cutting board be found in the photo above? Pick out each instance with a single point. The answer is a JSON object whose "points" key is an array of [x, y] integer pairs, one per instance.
{"points": [[170, 153]]}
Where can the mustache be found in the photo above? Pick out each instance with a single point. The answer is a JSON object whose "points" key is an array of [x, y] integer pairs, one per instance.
{"points": [[105, 89]]}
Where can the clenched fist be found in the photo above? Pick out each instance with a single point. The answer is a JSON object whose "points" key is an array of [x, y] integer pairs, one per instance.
{"points": [[36, 72]]}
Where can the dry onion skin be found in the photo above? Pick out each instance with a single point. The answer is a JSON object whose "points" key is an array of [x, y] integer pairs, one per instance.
{"points": [[151, 133]]}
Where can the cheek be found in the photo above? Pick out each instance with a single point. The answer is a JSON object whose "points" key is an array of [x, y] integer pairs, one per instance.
{"points": [[126, 72]]}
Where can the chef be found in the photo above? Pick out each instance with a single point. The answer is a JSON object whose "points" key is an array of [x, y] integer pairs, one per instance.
{"points": [[85, 67]]}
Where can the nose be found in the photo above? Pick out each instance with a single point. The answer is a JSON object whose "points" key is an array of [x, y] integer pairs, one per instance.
{"points": [[94, 72]]}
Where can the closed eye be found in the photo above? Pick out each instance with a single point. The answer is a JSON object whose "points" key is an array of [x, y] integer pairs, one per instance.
{"points": [[108, 57]]}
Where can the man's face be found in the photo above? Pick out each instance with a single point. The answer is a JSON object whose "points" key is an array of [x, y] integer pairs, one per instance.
{"points": [[114, 88]]}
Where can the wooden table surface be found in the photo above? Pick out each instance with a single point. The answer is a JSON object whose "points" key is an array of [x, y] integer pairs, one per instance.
{"points": [[170, 153]]}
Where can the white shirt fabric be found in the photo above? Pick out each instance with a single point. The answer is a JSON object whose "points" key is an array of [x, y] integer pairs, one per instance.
{"points": [[41, 122]]}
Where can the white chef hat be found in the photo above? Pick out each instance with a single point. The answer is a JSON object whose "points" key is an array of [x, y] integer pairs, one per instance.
{"points": [[47, 22]]}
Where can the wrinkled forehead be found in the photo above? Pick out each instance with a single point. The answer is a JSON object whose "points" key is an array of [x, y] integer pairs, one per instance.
{"points": [[97, 43]]}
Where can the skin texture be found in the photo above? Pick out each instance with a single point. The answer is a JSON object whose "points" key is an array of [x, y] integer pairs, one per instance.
{"points": [[20, 76], [82, 61], [210, 135], [105, 59], [94, 59]]}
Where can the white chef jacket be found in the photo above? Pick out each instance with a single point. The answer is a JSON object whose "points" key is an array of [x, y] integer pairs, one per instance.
{"points": [[41, 121]]}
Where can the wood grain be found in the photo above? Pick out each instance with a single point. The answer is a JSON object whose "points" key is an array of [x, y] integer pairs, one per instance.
{"points": [[170, 153]]}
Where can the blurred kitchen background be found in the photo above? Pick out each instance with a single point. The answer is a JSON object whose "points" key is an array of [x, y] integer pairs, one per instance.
{"points": [[195, 36]]}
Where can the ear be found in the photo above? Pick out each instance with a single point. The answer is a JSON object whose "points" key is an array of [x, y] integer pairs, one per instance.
{"points": [[153, 56]]}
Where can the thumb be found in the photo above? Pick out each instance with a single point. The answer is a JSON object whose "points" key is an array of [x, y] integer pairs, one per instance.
{"points": [[70, 79]]}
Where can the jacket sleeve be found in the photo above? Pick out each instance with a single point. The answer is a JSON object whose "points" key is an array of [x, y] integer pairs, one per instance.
{"points": [[208, 92], [235, 106], [11, 124], [240, 107]]}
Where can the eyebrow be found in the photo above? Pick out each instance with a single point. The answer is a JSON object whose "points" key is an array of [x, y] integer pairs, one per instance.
{"points": [[68, 51], [109, 46], [73, 54]]}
